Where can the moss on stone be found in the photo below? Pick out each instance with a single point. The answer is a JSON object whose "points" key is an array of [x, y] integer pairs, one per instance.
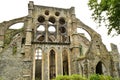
{"points": [[10, 33]]}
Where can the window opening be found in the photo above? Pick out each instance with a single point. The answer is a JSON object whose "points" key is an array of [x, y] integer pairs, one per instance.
{"points": [[46, 12], [51, 29], [38, 54], [62, 29], [57, 13], [23, 41], [62, 21], [52, 65], [41, 19], [38, 64], [17, 26], [84, 33], [41, 28], [65, 63], [51, 20], [99, 68]]}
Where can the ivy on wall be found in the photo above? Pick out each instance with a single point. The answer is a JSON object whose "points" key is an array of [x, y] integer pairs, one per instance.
{"points": [[14, 48], [10, 33]]}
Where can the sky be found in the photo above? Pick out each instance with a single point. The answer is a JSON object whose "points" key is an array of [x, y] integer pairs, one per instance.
{"points": [[11, 9]]}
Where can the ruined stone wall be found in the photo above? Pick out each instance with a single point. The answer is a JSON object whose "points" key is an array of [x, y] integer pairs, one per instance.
{"points": [[116, 58], [11, 64], [17, 59]]}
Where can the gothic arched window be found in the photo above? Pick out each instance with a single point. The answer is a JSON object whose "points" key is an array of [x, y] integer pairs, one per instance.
{"points": [[52, 65], [38, 53]]}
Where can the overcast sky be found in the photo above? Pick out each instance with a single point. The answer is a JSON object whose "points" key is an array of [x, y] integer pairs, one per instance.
{"points": [[10, 9]]}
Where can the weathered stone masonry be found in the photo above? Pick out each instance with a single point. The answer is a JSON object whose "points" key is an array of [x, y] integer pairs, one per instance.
{"points": [[49, 45]]}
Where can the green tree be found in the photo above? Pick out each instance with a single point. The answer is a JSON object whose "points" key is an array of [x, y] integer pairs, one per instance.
{"points": [[111, 8]]}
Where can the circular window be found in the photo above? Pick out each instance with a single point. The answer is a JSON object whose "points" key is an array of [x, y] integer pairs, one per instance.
{"points": [[62, 29], [41, 28], [41, 19], [46, 12], [51, 29], [57, 13], [62, 21], [51, 20]]}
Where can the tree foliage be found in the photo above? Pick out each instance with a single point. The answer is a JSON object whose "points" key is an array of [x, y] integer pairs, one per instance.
{"points": [[111, 9]]}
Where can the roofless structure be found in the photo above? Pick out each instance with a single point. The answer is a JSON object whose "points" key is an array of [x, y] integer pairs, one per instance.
{"points": [[48, 45]]}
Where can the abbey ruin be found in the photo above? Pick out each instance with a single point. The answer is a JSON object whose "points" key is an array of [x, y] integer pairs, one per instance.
{"points": [[49, 45]]}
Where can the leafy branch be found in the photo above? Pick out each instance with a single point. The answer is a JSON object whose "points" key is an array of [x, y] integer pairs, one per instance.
{"points": [[112, 10]]}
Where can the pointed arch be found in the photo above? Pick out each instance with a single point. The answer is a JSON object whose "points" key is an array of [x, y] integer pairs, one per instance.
{"points": [[38, 63], [52, 64], [65, 62], [99, 68], [38, 53], [105, 66]]}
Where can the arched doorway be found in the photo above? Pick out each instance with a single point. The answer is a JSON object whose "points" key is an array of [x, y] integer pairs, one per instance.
{"points": [[38, 64], [52, 66], [65, 63], [99, 69]]}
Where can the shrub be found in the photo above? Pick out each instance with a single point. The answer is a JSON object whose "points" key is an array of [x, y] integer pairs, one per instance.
{"points": [[77, 77], [94, 77], [72, 77], [116, 79], [100, 77], [104, 77], [60, 77], [0, 78]]}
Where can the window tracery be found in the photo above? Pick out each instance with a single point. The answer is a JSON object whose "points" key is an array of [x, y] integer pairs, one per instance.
{"points": [[38, 54]]}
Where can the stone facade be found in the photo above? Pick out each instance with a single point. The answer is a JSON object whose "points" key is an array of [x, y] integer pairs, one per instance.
{"points": [[49, 45]]}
